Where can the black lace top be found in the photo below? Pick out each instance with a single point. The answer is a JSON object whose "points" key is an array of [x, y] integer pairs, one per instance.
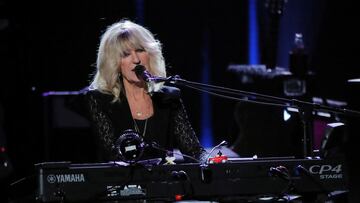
{"points": [[169, 127]]}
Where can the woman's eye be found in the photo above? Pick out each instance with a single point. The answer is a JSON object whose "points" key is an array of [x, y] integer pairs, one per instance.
{"points": [[140, 50], [125, 54]]}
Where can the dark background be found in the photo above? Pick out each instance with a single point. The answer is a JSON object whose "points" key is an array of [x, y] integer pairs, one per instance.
{"points": [[51, 46]]}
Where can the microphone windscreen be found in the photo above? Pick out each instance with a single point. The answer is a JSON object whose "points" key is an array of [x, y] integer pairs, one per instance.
{"points": [[139, 69]]}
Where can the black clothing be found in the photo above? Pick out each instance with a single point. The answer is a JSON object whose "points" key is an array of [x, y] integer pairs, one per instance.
{"points": [[168, 127]]}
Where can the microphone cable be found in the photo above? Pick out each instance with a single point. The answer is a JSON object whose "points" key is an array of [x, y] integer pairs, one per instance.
{"points": [[158, 147], [283, 173]]}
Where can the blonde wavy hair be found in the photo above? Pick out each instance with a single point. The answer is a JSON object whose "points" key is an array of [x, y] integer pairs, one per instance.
{"points": [[116, 40]]}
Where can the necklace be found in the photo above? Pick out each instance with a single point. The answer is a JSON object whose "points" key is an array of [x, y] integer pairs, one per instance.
{"points": [[142, 114], [138, 129], [139, 113]]}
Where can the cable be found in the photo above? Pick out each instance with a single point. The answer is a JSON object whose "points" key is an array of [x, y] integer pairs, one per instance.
{"points": [[283, 173], [211, 151], [237, 99], [158, 147], [227, 90]]}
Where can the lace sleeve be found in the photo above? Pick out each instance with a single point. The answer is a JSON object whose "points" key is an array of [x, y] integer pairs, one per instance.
{"points": [[185, 135], [102, 127]]}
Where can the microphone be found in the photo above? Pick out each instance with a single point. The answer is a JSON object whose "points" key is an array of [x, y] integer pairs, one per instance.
{"points": [[224, 142], [151, 81], [142, 73], [129, 146]]}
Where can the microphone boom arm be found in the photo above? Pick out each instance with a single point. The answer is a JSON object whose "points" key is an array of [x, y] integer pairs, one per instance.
{"points": [[304, 108], [294, 103]]}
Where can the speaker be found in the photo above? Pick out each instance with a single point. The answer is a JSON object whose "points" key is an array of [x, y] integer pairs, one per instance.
{"points": [[67, 132], [263, 131]]}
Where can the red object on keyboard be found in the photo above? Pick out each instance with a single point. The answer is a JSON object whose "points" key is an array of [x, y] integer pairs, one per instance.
{"points": [[219, 158]]}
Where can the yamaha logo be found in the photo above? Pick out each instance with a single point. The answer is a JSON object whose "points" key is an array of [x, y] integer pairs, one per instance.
{"points": [[66, 178], [51, 179]]}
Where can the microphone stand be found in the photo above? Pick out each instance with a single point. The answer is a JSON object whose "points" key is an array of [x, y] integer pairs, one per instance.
{"points": [[305, 108]]}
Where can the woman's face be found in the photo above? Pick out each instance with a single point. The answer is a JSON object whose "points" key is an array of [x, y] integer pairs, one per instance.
{"points": [[131, 58]]}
